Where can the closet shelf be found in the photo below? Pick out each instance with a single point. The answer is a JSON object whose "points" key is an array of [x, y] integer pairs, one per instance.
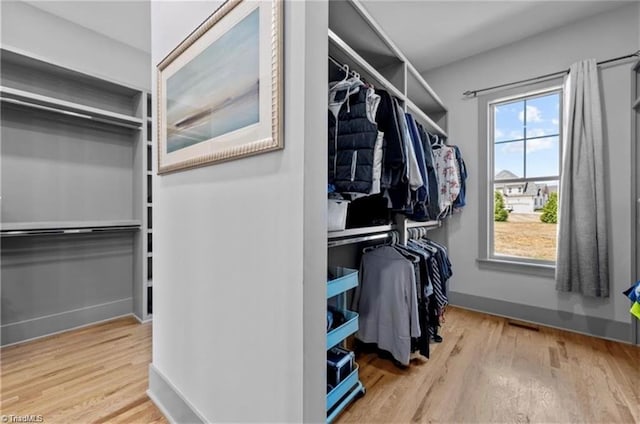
{"points": [[331, 235], [20, 229], [425, 119], [351, 21], [51, 104], [343, 53], [421, 93]]}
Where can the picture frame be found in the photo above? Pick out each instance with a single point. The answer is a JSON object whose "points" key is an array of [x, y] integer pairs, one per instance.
{"points": [[220, 91]]}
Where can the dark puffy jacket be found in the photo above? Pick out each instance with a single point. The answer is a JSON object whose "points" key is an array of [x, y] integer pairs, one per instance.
{"points": [[434, 202], [352, 139], [394, 163]]}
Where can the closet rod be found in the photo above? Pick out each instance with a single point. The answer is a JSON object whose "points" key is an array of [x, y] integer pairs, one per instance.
{"points": [[66, 231], [474, 93], [67, 112], [342, 242], [342, 65]]}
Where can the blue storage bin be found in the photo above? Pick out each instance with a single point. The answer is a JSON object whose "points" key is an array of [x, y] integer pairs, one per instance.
{"points": [[350, 326], [346, 279], [343, 388]]}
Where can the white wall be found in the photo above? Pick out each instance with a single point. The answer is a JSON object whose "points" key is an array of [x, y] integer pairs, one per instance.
{"points": [[65, 43], [233, 246], [611, 34]]}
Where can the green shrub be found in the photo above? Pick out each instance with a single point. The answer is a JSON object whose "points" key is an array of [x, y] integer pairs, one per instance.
{"points": [[550, 210], [500, 214]]}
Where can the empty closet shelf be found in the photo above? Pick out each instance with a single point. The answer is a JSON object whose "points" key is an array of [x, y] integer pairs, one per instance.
{"points": [[349, 327], [350, 385], [345, 279], [51, 104]]}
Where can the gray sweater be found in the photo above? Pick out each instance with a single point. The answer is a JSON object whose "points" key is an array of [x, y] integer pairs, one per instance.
{"points": [[387, 302]]}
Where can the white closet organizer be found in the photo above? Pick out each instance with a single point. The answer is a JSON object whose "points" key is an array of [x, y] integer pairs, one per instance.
{"points": [[355, 39], [74, 198]]}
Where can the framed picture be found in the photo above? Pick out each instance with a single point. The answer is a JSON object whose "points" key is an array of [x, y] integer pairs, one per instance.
{"points": [[220, 90]]}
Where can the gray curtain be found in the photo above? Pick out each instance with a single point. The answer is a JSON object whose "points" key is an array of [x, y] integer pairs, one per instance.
{"points": [[582, 261]]}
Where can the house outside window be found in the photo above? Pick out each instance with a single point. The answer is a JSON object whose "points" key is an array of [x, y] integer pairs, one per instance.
{"points": [[524, 145]]}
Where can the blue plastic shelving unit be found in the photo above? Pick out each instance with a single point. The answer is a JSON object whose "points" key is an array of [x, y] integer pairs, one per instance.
{"points": [[350, 388]]}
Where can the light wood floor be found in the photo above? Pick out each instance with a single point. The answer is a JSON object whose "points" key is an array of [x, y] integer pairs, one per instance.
{"points": [[487, 371], [92, 375], [484, 371]]}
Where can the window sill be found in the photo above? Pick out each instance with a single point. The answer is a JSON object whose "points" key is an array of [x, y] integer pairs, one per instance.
{"points": [[539, 270]]}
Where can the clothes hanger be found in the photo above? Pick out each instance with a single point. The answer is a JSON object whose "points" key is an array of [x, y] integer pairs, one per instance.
{"points": [[345, 68]]}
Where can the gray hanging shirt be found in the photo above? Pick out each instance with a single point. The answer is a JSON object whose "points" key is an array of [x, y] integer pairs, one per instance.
{"points": [[387, 302]]}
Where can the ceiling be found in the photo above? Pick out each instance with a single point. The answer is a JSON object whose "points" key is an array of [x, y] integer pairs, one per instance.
{"points": [[430, 33], [436, 33], [126, 21]]}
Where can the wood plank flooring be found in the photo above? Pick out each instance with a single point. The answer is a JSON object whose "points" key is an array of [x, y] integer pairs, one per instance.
{"points": [[95, 374], [484, 371], [487, 371]]}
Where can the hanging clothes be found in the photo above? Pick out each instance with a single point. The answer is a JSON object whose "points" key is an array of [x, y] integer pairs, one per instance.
{"points": [[376, 149], [461, 201], [387, 302], [433, 206], [402, 296], [394, 163], [448, 177], [421, 193], [354, 138]]}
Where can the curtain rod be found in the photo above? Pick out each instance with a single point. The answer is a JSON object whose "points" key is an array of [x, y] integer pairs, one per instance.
{"points": [[474, 93]]}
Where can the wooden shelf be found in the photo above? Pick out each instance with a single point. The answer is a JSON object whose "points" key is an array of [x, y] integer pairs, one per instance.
{"points": [[51, 104]]}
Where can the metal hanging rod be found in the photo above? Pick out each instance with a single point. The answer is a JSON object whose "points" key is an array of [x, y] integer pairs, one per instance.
{"points": [[68, 113], [474, 93], [345, 68], [351, 240], [66, 231]]}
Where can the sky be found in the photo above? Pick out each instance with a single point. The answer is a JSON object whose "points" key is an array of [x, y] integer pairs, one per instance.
{"points": [[540, 125]]}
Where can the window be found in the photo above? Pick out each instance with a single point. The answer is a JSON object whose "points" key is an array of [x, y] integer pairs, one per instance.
{"points": [[524, 153]]}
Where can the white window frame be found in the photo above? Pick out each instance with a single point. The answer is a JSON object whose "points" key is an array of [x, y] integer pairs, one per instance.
{"points": [[486, 256]]}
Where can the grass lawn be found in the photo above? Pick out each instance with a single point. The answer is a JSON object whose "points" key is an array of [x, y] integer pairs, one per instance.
{"points": [[525, 235]]}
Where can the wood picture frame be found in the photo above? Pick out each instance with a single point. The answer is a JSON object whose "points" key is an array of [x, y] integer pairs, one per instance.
{"points": [[220, 91]]}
